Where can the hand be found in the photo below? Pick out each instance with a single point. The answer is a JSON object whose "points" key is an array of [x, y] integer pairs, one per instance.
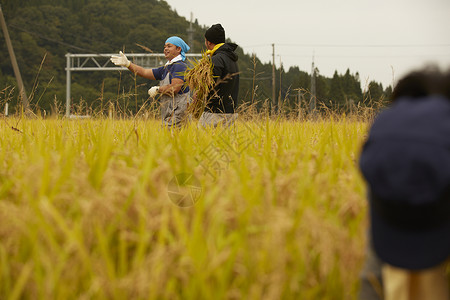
{"points": [[153, 91], [120, 60]]}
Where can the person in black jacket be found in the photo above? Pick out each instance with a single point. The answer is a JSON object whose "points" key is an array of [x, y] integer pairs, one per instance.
{"points": [[222, 100]]}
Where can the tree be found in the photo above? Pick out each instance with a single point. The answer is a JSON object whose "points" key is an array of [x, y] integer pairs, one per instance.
{"points": [[374, 92], [336, 94], [52, 28]]}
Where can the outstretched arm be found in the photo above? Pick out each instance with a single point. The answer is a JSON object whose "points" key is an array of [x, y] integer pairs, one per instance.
{"points": [[122, 60], [140, 71]]}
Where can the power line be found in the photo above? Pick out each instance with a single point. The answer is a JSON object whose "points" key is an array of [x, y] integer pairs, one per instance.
{"points": [[369, 56], [255, 46], [256, 79], [365, 46], [351, 45], [47, 27], [52, 40]]}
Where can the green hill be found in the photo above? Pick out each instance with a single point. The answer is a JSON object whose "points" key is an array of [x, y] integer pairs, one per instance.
{"points": [[43, 31]]}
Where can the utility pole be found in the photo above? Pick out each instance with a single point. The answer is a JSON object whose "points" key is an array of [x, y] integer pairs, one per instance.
{"points": [[15, 66], [299, 101], [279, 96], [273, 80], [312, 102], [190, 32]]}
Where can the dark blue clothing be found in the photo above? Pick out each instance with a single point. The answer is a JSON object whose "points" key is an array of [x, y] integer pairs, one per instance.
{"points": [[406, 162], [406, 157], [175, 70]]}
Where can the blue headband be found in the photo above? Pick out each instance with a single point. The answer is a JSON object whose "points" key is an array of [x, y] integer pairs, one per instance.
{"points": [[174, 40]]}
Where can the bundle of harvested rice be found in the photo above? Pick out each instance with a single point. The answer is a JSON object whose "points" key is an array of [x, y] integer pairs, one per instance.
{"points": [[200, 80]]}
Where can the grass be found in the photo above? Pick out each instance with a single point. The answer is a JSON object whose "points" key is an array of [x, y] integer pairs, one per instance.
{"points": [[86, 214]]}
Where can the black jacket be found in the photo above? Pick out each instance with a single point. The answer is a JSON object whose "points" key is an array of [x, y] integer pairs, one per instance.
{"points": [[223, 99]]}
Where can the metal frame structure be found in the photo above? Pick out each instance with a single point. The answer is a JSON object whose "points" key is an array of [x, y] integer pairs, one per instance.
{"points": [[101, 62]]}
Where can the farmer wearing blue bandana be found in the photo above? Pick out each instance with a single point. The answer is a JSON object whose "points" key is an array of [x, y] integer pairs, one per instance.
{"points": [[172, 92], [174, 40]]}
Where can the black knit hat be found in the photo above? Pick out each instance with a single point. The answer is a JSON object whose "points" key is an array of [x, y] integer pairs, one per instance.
{"points": [[215, 34]]}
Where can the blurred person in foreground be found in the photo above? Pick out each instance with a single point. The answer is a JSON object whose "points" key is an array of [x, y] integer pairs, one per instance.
{"points": [[406, 163], [222, 100], [172, 91]]}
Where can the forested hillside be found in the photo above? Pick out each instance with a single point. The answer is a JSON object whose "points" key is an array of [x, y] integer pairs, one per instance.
{"points": [[43, 31]]}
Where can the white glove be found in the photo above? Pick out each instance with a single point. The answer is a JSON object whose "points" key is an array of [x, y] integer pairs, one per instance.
{"points": [[153, 91], [120, 60]]}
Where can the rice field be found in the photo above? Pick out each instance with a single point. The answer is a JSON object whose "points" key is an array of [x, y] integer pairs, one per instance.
{"points": [[125, 209]]}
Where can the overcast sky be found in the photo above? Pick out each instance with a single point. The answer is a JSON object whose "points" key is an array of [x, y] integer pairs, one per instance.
{"points": [[382, 39]]}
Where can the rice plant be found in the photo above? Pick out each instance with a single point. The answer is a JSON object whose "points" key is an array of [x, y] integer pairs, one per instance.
{"points": [[199, 77], [87, 210]]}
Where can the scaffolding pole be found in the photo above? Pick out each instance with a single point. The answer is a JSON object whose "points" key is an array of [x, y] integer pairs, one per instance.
{"points": [[101, 62], [15, 66]]}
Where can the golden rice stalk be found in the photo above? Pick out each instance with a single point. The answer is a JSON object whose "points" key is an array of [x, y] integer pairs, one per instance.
{"points": [[200, 80]]}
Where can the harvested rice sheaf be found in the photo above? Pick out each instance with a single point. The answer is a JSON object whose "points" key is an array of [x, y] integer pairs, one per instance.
{"points": [[200, 80]]}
